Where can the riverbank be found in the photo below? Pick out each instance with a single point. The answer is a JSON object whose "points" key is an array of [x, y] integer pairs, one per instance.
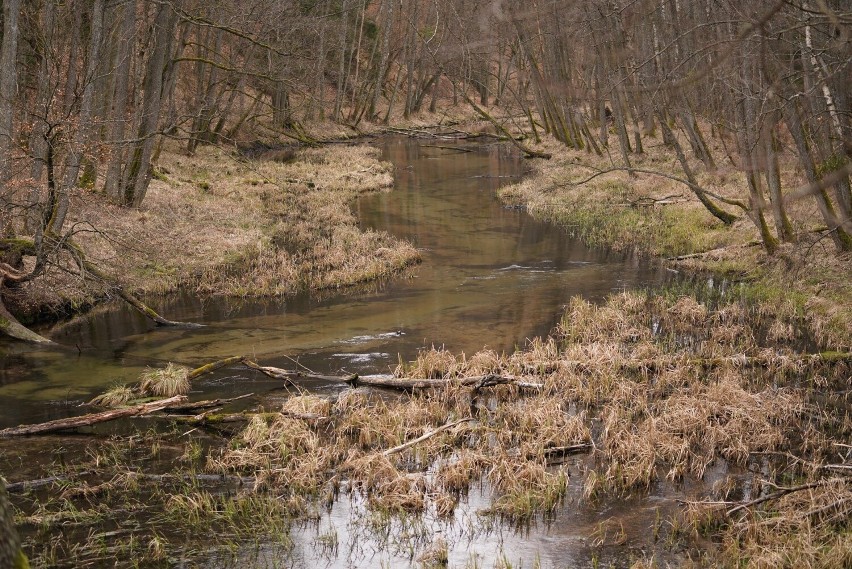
{"points": [[219, 223], [805, 285]]}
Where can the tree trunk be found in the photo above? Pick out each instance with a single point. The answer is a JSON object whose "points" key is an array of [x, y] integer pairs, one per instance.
{"points": [[138, 170], [342, 76], [84, 127], [38, 137], [773, 179], [119, 110], [8, 83], [715, 210], [842, 239], [384, 56]]}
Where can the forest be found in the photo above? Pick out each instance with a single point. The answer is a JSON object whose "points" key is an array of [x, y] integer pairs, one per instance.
{"points": [[150, 148]]}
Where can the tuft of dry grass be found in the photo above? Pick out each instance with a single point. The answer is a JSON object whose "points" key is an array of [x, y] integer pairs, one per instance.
{"points": [[115, 397], [166, 382]]}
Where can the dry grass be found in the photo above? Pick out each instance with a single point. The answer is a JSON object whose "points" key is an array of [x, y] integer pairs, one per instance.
{"points": [[221, 224], [115, 397], [166, 382], [651, 390]]}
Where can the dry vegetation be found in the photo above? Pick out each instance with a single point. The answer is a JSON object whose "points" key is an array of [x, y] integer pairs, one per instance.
{"points": [[219, 223], [648, 388]]}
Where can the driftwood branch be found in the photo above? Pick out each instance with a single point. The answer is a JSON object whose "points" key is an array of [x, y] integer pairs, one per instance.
{"points": [[288, 375], [26, 485], [717, 250], [557, 455], [410, 384], [775, 495], [425, 436], [213, 366], [208, 404], [92, 418]]}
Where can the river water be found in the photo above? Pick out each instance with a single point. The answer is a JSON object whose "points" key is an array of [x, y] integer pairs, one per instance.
{"points": [[491, 277]]}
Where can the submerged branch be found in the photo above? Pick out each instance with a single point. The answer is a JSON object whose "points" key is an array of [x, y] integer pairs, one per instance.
{"points": [[409, 384], [780, 493], [92, 418]]}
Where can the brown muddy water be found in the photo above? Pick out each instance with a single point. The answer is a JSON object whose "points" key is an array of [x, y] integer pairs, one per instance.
{"points": [[491, 277]]}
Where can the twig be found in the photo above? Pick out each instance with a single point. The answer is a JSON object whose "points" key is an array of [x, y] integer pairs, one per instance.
{"points": [[775, 495], [422, 438]]}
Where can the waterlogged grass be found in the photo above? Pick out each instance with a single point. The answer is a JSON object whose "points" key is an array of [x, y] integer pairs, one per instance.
{"points": [[648, 389]]}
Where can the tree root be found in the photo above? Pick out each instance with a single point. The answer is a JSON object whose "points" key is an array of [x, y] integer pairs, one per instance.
{"points": [[10, 326]]}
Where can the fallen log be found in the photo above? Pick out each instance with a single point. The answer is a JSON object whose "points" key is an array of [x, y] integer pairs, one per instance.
{"points": [[10, 326], [207, 404], [26, 485], [213, 418], [144, 387], [247, 481], [213, 366], [409, 384], [92, 418], [557, 455]]}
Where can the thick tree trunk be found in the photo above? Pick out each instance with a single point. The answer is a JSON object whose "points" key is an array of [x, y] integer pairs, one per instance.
{"points": [[384, 56], [112, 183], [38, 137], [10, 326], [842, 239], [138, 169]]}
